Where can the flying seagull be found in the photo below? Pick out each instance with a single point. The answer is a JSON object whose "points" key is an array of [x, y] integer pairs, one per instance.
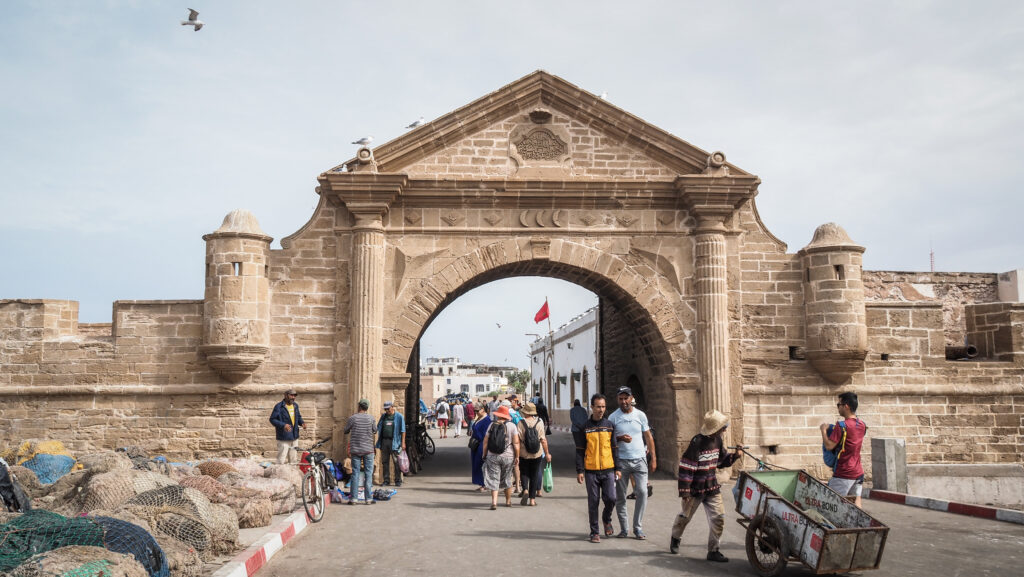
{"points": [[364, 141], [417, 123], [499, 325], [193, 20]]}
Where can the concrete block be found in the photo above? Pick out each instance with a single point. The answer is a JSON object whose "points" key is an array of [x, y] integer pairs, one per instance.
{"points": [[995, 485], [889, 464]]}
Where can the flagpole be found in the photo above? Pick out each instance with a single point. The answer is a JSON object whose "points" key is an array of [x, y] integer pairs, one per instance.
{"points": [[551, 343]]}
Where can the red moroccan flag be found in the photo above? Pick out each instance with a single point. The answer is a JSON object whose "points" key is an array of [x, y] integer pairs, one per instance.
{"points": [[542, 313]]}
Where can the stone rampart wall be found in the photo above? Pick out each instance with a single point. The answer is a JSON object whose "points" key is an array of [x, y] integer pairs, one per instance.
{"points": [[954, 290]]}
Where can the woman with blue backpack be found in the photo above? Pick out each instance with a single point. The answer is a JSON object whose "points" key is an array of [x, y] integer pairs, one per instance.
{"points": [[841, 444]]}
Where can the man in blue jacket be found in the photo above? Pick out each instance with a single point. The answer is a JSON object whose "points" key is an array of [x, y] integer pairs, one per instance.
{"points": [[391, 442], [287, 419]]}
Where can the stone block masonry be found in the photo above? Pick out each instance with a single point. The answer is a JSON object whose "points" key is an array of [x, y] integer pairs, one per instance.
{"points": [[701, 306]]}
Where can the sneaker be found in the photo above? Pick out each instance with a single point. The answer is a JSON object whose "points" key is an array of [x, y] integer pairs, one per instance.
{"points": [[623, 534], [673, 546], [640, 535], [370, 502], [650, 490], [717, 557], [631, 495], [595, 538], [608, 530]]}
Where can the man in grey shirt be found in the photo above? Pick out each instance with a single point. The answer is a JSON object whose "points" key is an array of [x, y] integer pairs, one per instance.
{"points": [[361, 428]]}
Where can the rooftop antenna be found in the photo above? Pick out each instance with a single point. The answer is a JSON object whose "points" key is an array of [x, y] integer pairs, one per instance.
{"points": [[931, 254]]}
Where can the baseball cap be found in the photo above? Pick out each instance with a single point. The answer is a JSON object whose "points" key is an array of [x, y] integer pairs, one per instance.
{"points": [[388, 404], [364, 404], [624, 391]]}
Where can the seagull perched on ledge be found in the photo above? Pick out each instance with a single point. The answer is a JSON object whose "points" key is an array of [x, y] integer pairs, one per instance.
{"points": [[193, 20], [364, 141], [417, 123]]}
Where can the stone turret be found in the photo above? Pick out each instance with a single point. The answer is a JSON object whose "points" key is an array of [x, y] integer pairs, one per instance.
{"points": [[834, 314], [236, 312]]}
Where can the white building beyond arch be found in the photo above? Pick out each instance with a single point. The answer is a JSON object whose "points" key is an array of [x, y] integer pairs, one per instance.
{"points": [[575, 346]]}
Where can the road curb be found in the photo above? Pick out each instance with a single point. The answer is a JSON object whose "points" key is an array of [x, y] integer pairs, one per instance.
{"points": [[994, 513], [251, 560]]}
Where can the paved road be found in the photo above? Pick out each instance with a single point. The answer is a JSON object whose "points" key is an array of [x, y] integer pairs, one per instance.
{"points": [[439, 525]]}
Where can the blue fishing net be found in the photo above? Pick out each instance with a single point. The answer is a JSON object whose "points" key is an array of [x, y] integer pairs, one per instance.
{"points": [[49, 468], [124, 537]]}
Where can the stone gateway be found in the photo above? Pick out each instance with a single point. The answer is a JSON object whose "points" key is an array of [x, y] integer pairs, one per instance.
{"points": [[706, 308]]}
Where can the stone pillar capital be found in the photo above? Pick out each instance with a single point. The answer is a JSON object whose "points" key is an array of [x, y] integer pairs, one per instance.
{"points": [[367, 195], [394, 381], [713, 199]]}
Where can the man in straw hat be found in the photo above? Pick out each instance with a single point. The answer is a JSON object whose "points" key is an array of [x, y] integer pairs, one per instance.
{"points": [[361, 428], [698, 482]]}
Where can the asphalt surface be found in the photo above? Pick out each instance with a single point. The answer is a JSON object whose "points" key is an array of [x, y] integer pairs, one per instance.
{"points": [[437, 523]]}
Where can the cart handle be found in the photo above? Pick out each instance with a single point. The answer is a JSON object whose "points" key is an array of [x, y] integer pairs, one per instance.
{"points": [[762, 465]]}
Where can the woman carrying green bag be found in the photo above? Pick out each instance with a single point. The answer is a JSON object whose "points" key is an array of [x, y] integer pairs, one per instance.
{"points": [[534, 447]]}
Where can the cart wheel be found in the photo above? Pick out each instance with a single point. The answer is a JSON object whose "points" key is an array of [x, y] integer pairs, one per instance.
{"points": [[765, 549]]}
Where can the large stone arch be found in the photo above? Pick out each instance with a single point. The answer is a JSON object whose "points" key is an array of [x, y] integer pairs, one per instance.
{"points": [[665, 331], [543, 179]]}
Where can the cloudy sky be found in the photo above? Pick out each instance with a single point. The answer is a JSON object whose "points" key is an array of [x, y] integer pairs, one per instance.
{"points": [[124, 137]]}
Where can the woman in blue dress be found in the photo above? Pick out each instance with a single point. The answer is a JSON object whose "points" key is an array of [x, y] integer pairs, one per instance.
{"points": [[479, 430]]}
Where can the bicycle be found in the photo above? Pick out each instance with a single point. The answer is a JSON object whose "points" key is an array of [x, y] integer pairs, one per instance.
{"points": [[317, 481], [424, 443]]}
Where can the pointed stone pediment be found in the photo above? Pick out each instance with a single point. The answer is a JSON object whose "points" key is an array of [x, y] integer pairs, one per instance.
{"points": [[539, 127]]}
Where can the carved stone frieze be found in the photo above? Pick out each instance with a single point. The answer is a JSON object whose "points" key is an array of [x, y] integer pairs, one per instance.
{"points": [[542, 218], [626, 220], [492, 218], [588, 218], [666, 217], [452, 218], [413, 217]]}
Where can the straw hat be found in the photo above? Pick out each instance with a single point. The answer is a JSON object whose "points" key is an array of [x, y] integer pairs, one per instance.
{"points": [[529, 409], [503, 413], [713, 422]]}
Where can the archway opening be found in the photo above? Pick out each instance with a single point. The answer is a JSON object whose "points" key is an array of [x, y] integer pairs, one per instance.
{"points": [[628, 348]]}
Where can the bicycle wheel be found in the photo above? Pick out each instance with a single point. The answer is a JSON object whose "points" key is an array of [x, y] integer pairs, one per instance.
{"points": [[428, 445], [313, 496]]}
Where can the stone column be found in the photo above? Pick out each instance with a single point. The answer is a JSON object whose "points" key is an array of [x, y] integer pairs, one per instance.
{"points": [[367, 308], [712, 293], [712, 197]]}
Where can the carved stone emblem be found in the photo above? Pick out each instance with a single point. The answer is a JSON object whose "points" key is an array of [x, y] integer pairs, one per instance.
{"points": [[413, 217], [666, 217], [541, 145], [588, 219], [625, 220], [492, 218], [451, 217]]}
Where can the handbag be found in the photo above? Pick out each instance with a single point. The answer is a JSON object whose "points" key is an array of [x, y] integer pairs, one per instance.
{"points": [[474, 444], [548, 483], [403, 461]]}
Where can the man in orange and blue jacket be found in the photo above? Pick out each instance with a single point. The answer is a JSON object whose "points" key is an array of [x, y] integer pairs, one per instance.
{"points": [[597, 463]]}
